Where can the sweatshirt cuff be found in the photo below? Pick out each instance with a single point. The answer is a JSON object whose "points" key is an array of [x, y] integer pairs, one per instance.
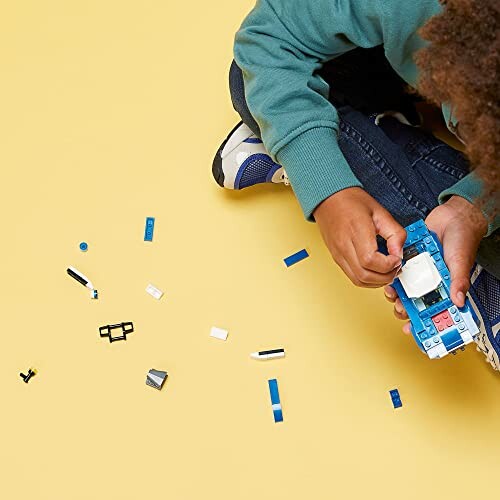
{"points": [[316, 167], [470, 187]]}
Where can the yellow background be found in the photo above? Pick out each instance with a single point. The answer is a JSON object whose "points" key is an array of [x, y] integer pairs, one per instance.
{"points": [[111, 111]]}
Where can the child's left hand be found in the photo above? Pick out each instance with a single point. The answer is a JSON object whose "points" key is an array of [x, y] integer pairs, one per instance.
{"points": [[460, 226]]}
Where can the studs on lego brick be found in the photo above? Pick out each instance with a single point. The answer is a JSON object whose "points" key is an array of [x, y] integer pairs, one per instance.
{"points": [[149, 229], [84, 246]]}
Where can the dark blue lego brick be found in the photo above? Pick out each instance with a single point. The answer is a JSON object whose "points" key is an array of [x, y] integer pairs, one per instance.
{"points": [[296, 257], [452, 339], [148, 231], [396, 399]]}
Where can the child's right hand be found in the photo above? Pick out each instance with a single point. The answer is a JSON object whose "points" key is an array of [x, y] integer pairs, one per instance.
{"points": [[349, 221]]}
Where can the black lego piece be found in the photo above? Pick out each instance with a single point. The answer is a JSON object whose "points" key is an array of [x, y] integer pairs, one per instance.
{"points": [[27, 377], [105, 331]]}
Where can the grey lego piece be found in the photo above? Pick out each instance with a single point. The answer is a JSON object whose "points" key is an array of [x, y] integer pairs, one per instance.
{"points": [[156, 378]]}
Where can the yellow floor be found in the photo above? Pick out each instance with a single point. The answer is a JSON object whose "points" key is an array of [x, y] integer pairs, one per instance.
{"points": [[111, 112]]}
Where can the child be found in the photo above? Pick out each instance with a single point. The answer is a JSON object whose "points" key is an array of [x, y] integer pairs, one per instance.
{"points": [[319, 85]]}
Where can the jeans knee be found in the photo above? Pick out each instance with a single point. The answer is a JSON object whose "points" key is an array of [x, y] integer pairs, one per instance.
{"points": [[237, 90], [237, 87]]}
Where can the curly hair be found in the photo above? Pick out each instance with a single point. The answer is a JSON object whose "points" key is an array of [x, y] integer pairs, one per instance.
{"points": [[461, 66]]}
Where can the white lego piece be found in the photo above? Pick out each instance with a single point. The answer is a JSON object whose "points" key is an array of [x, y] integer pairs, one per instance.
{"points": [[154, 292], [466, 337], [274, 353], [219, 333], [419, 276], [438, 351], [470, 323]]}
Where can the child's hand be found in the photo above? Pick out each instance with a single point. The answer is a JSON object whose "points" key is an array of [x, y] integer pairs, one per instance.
{"points": [[399, 310], [460, 226], [349, 222]]}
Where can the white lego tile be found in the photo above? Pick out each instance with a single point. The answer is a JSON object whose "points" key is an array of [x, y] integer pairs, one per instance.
{"points": [[154, 292], [466, 337], [219, 333], [438, 351]]}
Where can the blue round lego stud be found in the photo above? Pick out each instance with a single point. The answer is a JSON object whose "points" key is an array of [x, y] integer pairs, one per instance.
{"points": [[83, 246]]}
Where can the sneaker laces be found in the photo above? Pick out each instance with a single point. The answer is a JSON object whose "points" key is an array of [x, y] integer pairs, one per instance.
{"points": [[489, 354]]}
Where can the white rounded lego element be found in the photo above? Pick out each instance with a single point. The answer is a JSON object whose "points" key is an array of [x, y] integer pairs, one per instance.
{"points": [[419, 276]]}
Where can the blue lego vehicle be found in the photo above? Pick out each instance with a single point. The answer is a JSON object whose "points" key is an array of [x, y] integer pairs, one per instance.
{"points": [[423, 285]]}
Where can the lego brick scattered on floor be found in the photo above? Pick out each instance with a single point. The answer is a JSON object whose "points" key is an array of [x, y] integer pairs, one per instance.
{"points": [[275, 400], [396, 398], [84, 246], [270, 354], [81, 278], [154, 292], [219, 333], [148, 231], [126, 328], [296, 257], [156, 378], [27, 377]]}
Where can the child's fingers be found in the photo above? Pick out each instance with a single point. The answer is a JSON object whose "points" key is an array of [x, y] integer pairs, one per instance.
{"points": [[391, 231], [367, 254], [407, 328], [459, 254], [364, 276], [399, 310], [345, 266], [390, 293]]}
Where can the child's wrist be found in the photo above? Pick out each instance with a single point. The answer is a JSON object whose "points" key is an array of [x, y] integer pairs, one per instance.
{"points": [[469, 212]]}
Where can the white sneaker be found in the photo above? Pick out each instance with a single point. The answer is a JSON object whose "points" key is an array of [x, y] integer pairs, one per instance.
{"points": [[484, 296], [242, 161]]}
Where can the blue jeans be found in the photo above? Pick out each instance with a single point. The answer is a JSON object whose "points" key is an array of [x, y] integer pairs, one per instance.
{"points": [[403, 167]]}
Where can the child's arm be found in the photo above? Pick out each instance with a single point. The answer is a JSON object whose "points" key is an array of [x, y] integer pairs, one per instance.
{"points": [[280, 46]]}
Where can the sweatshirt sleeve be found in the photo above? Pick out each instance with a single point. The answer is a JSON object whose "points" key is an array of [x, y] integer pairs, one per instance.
{"points": [[279, 48], [471, 188]]}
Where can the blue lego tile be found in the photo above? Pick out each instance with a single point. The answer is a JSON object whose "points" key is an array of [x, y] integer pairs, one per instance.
{"points": [[275, 400], [452, 339], [296, 257], [278, 415], [148, 231], [396, 399]]}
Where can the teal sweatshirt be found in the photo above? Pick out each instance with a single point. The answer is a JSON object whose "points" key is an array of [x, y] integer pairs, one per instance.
{"points": [[281, 44]]}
